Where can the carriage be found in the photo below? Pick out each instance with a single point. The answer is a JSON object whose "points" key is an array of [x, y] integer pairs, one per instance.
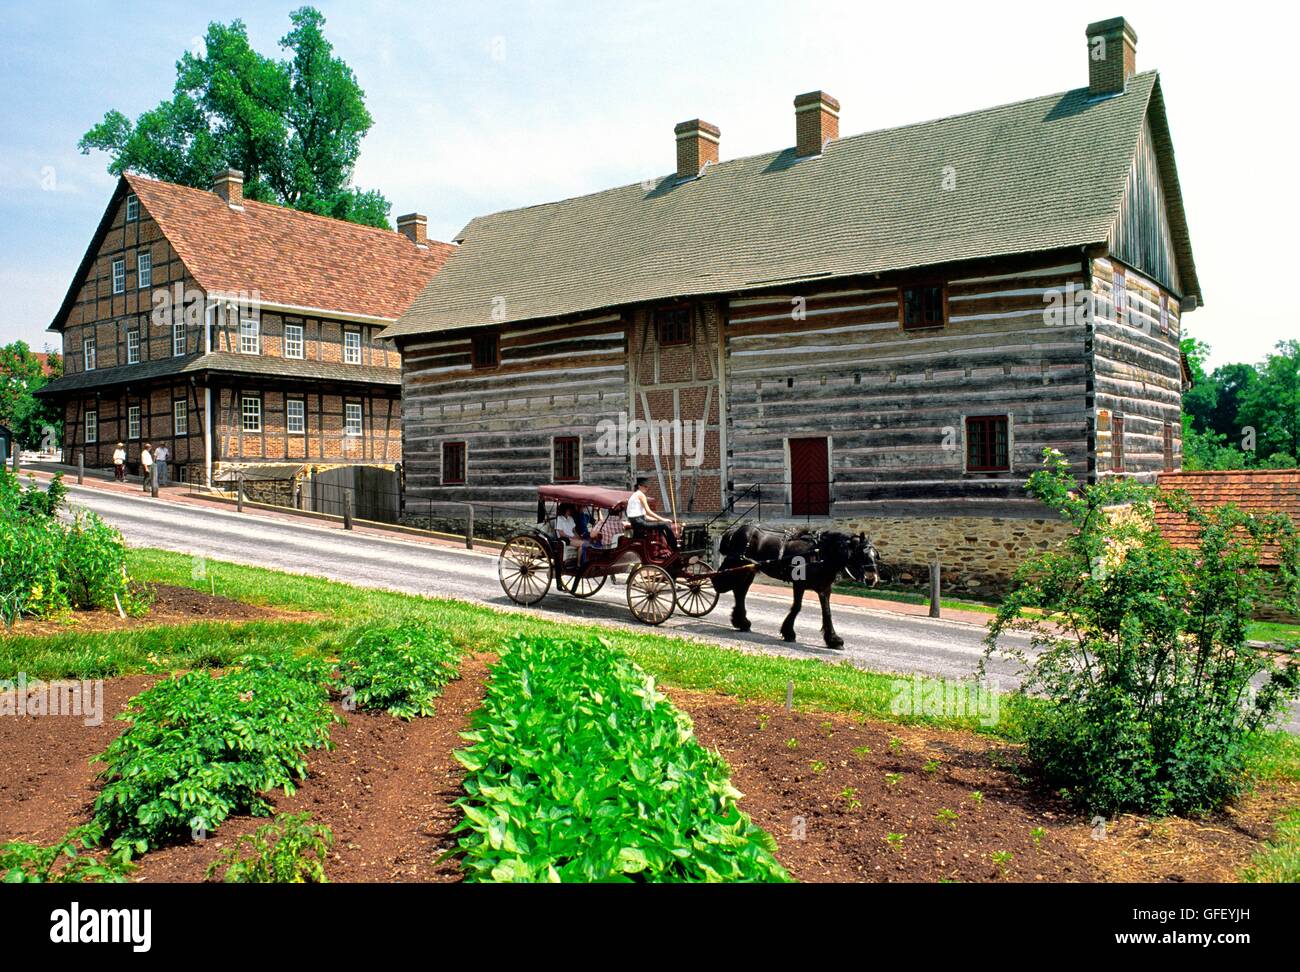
{"points": [[659, 579]]}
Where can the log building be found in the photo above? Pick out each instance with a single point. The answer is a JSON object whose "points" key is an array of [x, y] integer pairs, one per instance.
{"points": [[235, 332], [882, 331]]}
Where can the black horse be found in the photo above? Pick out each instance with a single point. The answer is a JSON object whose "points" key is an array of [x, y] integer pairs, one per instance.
{"points": [[808, 560]]}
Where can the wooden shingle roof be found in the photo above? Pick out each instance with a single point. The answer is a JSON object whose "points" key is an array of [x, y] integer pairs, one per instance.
{"points": [[1034, 176]]}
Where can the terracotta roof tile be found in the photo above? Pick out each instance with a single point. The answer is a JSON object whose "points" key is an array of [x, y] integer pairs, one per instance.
{"points": [[1256, 490], [290, 257]]}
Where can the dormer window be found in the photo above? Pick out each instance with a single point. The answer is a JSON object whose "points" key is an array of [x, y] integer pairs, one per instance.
{"points": [[487, 350], [352, 347]]}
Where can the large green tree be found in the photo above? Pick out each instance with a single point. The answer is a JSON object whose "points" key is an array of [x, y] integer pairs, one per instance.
{"points": [[27, 416], [293, 126]]}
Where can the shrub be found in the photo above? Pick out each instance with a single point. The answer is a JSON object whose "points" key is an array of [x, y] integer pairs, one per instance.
{"points": [[92, 567], [579, 770], [1141, 650], [289, 850], [61, 862], [401, 669], [201, 747]]}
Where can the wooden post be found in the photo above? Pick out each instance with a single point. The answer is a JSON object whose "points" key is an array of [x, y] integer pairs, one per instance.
{"points": [[239, 493], [934, 588], [153, 480], [469, 529], [347, 509], [81, 467]]}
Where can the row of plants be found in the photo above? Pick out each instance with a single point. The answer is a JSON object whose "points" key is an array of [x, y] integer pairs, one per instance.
{"points": [[204, 745], [579, 770], [48, 565]]}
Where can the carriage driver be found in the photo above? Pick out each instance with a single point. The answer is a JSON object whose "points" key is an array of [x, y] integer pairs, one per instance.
{"points": [[640, 515]]}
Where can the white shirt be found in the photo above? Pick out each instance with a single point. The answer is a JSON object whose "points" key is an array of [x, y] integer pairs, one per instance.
{"points": [[146, 459], [119, 456], [161, 454], [564, 526], [636, 504]]}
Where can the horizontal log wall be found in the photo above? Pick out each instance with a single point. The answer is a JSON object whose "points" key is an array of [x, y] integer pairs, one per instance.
{"points": [[893, 402], [554, 379], [1137, 369]]}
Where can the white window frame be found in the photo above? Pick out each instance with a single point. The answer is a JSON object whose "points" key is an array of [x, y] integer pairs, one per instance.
{"points": [[295, 424], [119, 276], [180, 417], [350, 409], [254, 413], [293, 347], [133, 347], [133, 422], [250, 335], [91, 423], [352, 347], [178, 338], [89, 357], [132, 208], [143, 270]]}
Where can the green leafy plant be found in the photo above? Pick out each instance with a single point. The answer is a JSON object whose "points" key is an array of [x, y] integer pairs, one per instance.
{"points": [[579, 770], [62, 862], [289, 850], [201, 747], [792, 743], [400, 669], [1139, 647], [895, 840], [977, 797], [1002, 861], [1037, 835], [817, 766], [850, 796], [895, 744], [763, 720], [946, 816], [930, 766], [862, 750], [893, 779]]}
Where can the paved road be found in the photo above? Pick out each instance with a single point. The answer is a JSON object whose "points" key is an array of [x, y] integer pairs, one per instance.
{"points": [[876, 640]]}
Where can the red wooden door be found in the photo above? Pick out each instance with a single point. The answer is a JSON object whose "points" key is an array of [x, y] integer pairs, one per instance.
{"points": [[810, 488]]}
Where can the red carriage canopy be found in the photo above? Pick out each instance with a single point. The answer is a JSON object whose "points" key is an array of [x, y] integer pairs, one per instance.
{"points": [[601, 496]]}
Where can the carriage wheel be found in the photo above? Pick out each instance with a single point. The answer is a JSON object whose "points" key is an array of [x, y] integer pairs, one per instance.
{"points": [[650, 595], [581, 585], [524, 570], [696, 594]]}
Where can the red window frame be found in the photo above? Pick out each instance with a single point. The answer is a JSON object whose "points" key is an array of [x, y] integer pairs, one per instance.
{"points": [[929, 308], [454, 465], [988, 447], [485, 350], [566, 459], [1117, 443], [674, 325]]}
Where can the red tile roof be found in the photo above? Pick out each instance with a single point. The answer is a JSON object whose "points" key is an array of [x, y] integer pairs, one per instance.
{"points": [[1256, 490], [290, 257]]}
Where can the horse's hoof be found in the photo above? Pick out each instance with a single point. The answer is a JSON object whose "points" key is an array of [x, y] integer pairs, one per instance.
{"points": [[835, 642], [788, 635], [740, 625]]}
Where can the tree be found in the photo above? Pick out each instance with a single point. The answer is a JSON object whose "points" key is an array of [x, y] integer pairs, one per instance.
{"points": [[293, 127], [1270, 404], [21, 374]]}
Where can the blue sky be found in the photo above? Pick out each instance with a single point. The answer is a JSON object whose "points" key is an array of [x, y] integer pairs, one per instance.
{"points": [[481, 106]]}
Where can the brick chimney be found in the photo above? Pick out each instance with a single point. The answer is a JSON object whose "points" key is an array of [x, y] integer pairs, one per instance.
{"points": [[229, 185], [816, 122], [415, 227], [1112, 56], [697, 146]]}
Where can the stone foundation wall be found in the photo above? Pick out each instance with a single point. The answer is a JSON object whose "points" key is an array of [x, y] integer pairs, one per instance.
{"points": [[978, 554]]}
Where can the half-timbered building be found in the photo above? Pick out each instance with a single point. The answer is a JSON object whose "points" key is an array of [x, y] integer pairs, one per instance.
{"points": [[883, 330], [235, 332]]}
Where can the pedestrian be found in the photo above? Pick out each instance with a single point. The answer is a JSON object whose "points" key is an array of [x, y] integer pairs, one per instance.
{"points": [[146, 466], [119, 463], [160, 456]]}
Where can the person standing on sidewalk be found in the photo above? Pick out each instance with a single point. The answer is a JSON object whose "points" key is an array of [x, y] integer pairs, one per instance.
{"points": [[146, 466], [160, 456], [119, 463]]}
